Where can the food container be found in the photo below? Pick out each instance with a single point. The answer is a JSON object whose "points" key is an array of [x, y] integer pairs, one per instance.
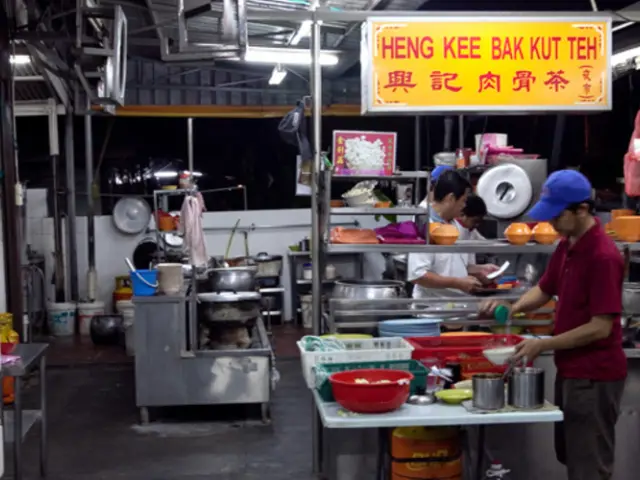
{"points": [[330, 272], [307, 271], [526, 388], [627, 229], [488, 391], [518, 234], [268, 265], [371, 390], [445, 235], [545, 234]]}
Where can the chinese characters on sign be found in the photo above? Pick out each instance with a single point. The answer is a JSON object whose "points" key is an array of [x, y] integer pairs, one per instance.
{"points": [[531, 64], [364, 153]]}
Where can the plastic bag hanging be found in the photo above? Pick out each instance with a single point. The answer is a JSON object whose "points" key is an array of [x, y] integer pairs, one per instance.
{"points": [[632, 162], [293, 130]]}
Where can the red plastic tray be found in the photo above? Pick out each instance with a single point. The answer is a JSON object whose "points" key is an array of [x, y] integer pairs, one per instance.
{"points": [[469, 345], [463, 349]]}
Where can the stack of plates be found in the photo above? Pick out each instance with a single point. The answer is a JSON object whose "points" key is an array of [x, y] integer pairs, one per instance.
{"points": [[410, 327]]}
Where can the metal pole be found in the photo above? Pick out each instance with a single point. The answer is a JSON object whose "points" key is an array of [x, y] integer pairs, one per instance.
{"points": [[190, 148], [91, 229], [316, 240], [460, 131], [71, 204], [417, 157]]}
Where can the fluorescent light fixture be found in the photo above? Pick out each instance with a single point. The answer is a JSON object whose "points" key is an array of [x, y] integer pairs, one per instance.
{"points": [[277, 76], [174, 174], [288, 56], [302, 32], [624, 56], [19, 59], [166, 174]]}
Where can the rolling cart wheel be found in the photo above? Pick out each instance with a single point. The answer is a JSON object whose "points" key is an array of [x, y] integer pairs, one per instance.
{"points": [[144, 416], [266, 413]]}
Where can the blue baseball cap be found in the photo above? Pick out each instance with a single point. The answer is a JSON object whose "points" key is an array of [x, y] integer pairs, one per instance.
{"points": [[439, 170], [562, 188]]}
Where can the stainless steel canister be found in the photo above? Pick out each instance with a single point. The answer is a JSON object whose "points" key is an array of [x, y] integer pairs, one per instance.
{"points": [[526, 388], [488, 391]]}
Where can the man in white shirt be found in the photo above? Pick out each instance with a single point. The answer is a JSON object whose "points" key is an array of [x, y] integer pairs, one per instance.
{"points": [[445, 270], [473, 213]]}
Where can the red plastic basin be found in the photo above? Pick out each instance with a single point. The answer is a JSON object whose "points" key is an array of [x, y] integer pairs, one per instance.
{"points": [[371, 397]]}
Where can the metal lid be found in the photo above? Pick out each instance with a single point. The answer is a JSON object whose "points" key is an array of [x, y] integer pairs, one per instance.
{"points": [[131, 215], [265, 257], [228, 297]]}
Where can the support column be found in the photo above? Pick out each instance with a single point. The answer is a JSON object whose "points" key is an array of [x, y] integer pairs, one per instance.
{"points": [[11, 230]]}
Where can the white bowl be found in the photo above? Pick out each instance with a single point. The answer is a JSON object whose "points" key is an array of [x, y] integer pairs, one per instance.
{"points": [[500, 355]]}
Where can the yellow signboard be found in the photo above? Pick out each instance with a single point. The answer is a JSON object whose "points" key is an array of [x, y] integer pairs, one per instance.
{"points": [[486, 64]]}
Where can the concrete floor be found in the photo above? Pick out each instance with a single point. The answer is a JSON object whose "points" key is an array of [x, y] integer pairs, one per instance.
{"points": [[94, 434]]}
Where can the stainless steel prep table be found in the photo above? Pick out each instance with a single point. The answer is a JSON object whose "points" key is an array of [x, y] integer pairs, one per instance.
{"points": [[169, 371], [18, 422]]}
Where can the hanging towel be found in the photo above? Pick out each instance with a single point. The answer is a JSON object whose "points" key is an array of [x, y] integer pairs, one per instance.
{"points": [[632, 163], [191, 226]]}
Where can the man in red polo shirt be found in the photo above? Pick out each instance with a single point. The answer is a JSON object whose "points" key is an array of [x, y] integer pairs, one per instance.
{"points": [[586, 273]]}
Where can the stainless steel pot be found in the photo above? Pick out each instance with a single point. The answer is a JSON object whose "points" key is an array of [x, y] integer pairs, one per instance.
{"points": [[228, 306], [526, 388], [368, 290], [488, 391], [631, 298], [268, 265], [233, 279]]}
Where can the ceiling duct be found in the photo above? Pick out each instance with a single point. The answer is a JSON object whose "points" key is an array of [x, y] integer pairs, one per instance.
{"points": [[233, 34]]}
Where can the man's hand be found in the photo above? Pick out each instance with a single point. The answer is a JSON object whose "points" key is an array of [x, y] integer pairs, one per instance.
{"points": [[487, 307], [529, 350], [468, 284]]}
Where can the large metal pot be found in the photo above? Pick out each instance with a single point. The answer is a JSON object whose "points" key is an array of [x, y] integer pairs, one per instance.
{"points": [[233, 279], [631, 298], [368, 290], [268, 265]]}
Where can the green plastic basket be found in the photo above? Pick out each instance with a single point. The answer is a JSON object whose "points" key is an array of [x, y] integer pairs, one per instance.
{"points": [[324, 371]]}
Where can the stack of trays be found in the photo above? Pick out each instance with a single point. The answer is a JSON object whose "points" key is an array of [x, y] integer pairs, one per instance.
{"points": [[410, 327]]}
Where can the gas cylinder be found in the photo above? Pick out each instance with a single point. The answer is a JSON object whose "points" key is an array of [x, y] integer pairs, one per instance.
{"points": [[8, 337], [123, 289], [419, 453]]}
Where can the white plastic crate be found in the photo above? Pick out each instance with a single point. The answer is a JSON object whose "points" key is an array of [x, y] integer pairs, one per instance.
{"points": [[366, 350]]}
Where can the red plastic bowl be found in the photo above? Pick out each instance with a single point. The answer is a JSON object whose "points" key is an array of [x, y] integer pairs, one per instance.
{"points": [[371, 397]]}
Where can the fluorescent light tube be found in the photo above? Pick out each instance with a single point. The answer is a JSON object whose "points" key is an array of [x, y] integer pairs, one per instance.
{"points": [[278, 75], [19, 59], [288, 56], [622, 57], [302, 32]]}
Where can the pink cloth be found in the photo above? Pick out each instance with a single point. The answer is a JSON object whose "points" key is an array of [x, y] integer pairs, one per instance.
{"points": [[191, 226]]}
